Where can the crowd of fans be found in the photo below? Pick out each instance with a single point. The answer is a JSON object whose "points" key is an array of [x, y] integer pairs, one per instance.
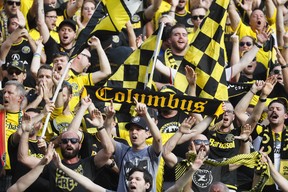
{"points": [[83, 147]]}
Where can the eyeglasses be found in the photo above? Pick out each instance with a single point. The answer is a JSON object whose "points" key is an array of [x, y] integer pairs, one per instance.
{"points": [[276, 71], [245, 43], [85, 55], [229, 111], [12, 71], [72, 140], [195, 17], [51, 16], [18, 3], [200, 142]]}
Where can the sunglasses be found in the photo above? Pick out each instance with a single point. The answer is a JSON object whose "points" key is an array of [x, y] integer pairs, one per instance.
{"points": [[200, 142], [11, 72], [18, 3], [72, 140], [51, 17], [195, 17], [245, 43]]}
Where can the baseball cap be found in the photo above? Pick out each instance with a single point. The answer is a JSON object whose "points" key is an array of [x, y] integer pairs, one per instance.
{"points": [[48, 8], [68, 22], [139, 121], [170, 89], [16, 64]]}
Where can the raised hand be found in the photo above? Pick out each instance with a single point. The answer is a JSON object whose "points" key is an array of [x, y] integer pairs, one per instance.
{"points": [[140, 108], [109, 110], [187, 124], [246, 131], [96, 118], [27, 124], [191, 76]]}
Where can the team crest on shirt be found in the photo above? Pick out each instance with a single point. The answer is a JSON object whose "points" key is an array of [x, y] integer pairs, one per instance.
{"points": [[202, 178], [26, 50], [189, 21], [171, 127], [115, 38], [135, 18]]}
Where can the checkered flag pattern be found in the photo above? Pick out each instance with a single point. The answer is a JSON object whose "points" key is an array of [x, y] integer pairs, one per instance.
{"points": [[207, 55], [133, 73]]}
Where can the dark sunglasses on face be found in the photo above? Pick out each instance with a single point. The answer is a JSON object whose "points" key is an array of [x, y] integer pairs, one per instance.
{"points": [[200, 142], [72, 140], [18, 3], [195, 17], [245, 43], [17, 72]]}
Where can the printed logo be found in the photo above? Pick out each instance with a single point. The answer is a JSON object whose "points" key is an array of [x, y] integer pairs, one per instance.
{"points": [[202, 178]]}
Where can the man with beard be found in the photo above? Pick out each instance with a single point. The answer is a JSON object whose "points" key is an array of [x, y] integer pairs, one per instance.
{"points": [[89, 167], [178, 40], [272, 137]]}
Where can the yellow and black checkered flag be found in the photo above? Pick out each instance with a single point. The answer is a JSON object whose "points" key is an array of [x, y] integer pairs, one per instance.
{"points": [[207, 55], [251, 160], [133, 73], [103, 25]]}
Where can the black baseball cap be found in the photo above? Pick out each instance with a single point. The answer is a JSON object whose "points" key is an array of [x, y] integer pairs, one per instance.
{"points": [[138, 121], [71, 23]]}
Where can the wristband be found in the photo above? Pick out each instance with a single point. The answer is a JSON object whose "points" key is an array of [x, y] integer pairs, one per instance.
{"points": [[112, 164], [262, 100], [284, 66], [99, 129], [172, 11], [258, 45], [36, 55], [245, 141], [252, 92]]}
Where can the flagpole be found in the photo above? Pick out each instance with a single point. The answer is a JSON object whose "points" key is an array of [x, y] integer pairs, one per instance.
{"points": [[155, 55], [55, 95]]}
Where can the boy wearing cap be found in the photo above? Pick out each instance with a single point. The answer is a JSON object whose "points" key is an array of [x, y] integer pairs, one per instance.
{"points": [[66, 31], [139, 155]]}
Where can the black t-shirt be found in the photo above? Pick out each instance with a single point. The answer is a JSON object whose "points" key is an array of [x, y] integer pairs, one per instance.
{"points": [[92, 145], [21, 52], [60, 182], [18, 169]]}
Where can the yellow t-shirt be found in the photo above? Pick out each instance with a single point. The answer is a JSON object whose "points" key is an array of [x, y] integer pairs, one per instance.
{"points": [[78, 82], [36, 35], [11, 126]]}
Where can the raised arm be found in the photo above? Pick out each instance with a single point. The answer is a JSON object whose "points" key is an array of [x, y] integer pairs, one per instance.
{"points": [[26, 180], [43, 29], [36, 61], [185, 128], [233, 15], [258, 109], [141, 110], [184, 179], [73, 7], [277, 177], [23, 149], [105, 69], [150, 11], [251, 54], [241, 107], [284, 68], [104, 154], [76, 122]]}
